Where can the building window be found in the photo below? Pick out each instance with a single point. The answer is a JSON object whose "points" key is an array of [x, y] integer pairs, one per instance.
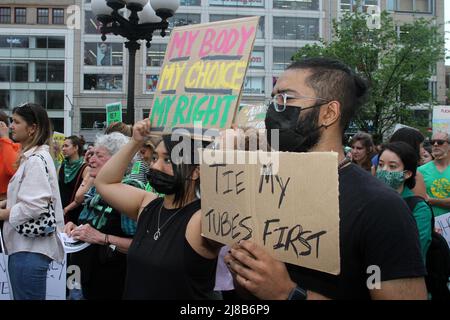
{"points": [[57, 124], [49, 71], [222, 17], [49, 99], [50, 42], [94, 119], [103, 54], [19, 71], [237, 3], [295, 28], [282, 57], [42, 16], [296, 5], [254, 85], [421, 6], [91, 25], [151, 82], [103, 82], [352, 5], [58, 16], [20, 15], [4, 99], [155, 55], [5, 15], [183, 19], [257, 58], [13, 42], [190, 3]]}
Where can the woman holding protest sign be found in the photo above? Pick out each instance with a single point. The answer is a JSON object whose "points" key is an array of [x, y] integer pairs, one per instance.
{"points": [[168, 258], [33, 210]]}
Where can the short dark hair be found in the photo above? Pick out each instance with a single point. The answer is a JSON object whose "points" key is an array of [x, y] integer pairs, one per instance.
{"points": [[333, 80], [411, 136], [407, 155]]}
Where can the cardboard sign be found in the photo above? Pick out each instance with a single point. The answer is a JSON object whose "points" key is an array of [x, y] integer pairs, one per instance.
{"points": [[252, 116], [442, 225], [113, 113], [293, 211], [202, 75]]}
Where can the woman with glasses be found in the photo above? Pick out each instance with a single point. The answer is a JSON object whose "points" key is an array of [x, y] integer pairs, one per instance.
{"points": [[397, 168], [33, 197]]}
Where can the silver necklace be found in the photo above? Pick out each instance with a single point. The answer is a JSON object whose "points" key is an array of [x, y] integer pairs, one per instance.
{"points": [[157, 234]]}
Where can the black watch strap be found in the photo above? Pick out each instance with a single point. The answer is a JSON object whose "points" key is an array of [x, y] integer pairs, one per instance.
{"points": [[298, 294]]}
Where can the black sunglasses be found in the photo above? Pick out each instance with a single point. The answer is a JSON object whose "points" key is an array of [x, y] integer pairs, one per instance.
{"points": [[438, 141]]}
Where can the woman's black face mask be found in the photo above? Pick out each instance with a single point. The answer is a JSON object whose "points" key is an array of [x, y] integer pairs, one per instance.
{"points": [[162, 182], [296, 134]]}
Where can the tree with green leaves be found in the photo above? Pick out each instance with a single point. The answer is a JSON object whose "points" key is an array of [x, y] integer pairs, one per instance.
{"points": [[397, 65]]}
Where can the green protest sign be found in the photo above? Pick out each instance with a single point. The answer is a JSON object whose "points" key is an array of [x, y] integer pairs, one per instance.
{"points": [[113, 113]]}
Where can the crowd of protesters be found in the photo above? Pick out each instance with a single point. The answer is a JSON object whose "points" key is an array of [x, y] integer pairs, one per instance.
{"points": [[139, 208]]}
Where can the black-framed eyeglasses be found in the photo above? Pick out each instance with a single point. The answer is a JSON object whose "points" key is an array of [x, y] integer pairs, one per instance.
{"points": [[439, 142], [279, 101]]}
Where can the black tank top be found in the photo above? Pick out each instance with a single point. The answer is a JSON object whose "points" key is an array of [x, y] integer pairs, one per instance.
{"points": [[167, 268]]}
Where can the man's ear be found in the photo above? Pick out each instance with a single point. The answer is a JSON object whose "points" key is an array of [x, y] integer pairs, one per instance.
{"points": [[331, 114]]}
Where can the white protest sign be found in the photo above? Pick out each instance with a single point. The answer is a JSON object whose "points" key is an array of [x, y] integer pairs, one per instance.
{"points": [[56, 280], [442, 224]]}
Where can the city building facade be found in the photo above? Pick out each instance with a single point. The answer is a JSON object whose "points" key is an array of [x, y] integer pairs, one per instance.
{"points": [[76, 77]]}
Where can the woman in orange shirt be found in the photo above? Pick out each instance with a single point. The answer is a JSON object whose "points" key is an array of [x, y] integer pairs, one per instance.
{"points": [[8, 155]]}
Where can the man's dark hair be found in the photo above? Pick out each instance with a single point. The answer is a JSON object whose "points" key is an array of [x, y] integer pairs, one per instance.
{"points": [[407, 155], [333, 80]]}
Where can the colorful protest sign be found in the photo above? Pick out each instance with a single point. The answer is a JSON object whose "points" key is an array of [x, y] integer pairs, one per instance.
{"points": [[442, 225], [441, 119], [58, 140], [113, 113], [251, 116], [202, 75], [280, 202]]}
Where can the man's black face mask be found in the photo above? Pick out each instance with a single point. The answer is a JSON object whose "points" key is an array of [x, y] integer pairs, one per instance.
{"points": [[296, 134]]}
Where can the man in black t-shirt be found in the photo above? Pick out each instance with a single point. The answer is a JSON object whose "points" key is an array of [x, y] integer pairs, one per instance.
{"points": [[377, 231]]}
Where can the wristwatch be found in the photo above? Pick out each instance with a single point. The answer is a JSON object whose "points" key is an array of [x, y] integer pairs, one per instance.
{"points": [[298, 294]]}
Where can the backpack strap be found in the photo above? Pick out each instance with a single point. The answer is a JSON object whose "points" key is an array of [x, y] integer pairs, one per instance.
{"points": [[413, 201]]}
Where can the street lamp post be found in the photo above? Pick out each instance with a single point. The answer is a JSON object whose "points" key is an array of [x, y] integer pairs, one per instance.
{"points": [[146, 16]]}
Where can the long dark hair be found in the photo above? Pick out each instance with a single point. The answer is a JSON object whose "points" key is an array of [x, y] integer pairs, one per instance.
{"points": [[34, 114], [183, 164]]}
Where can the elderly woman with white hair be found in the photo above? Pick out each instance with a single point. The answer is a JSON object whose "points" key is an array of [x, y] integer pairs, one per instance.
{"points": [[103, 263]]}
